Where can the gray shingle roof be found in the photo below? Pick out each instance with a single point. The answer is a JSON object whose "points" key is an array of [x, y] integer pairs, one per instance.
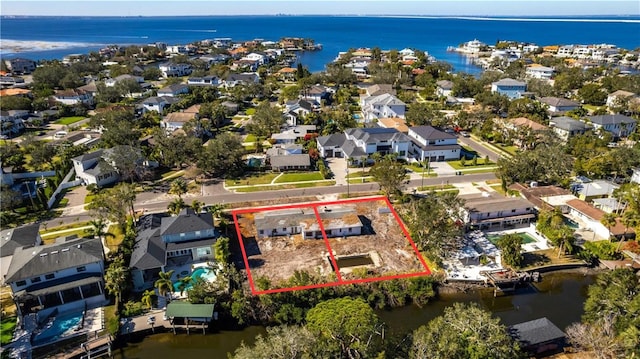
{"points": [[374, 134], [568, 123], [558, 101], [13, 238], [445, 84], [509, 82], [351, 150], [174, 246], [611, 119], [536, 331], [34, 261], [185, 222], [290, 160], [89, 156], [431, 133], [336, 139], [149, 251]]}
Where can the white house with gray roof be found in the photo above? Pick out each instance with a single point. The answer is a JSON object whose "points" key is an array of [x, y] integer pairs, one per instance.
{"points": [[14, 238], [64, 276], [92, 169], [429, 143], [173, 90], [382, 106], [158, 103], [509, 87], [359, 143], [337, 221], [566, 127], [165, 243], [618, 125], [559, 105]]}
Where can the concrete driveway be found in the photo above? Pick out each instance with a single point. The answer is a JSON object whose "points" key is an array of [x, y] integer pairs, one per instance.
{"points": [[339, 168]]}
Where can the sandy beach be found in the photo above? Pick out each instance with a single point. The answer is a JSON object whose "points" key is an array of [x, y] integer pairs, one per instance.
{"points": [[18, 46]]}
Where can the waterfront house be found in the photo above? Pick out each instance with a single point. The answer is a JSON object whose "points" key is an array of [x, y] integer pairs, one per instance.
{"points": [[20, 65], [168, 243], [14, 238], [539, 72], [538, 336], [618, 125], [566, 127], [381, 106], [337, 221], [158, 103], [173, 90], [358, 144], [63, 276], [492, 212], [430, 144], [509, 87], [590, 216], [557, 105]]}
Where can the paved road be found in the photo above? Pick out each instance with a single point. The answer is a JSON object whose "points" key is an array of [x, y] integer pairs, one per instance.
{"points": [[217, 194], [478, 147]]}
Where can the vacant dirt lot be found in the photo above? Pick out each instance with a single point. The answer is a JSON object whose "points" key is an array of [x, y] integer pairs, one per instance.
{"points": [[276, 258]]}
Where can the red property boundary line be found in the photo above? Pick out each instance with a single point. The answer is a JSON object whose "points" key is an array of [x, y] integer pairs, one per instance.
{"points": [[340, 281]]}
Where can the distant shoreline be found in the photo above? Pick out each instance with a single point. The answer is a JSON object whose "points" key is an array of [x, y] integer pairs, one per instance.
{"points": [[8, 46]]}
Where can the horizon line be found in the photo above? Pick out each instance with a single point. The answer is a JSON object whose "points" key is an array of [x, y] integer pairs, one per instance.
{"points": [[467, 16]]}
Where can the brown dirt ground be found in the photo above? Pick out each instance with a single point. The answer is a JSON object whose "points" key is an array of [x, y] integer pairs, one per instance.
{"points": [[277, 258]]}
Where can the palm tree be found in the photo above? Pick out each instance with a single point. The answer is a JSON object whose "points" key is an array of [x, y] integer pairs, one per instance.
{"points": [[164, 284], [147, 298], [216, 209], [115, 279], [178, 187], [176, 206], [196, 205], [608, 220], [566, 241], [183, 283], [630, 219]]}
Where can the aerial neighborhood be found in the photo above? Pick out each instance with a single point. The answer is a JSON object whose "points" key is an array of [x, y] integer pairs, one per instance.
{"points": [[177, 186]]}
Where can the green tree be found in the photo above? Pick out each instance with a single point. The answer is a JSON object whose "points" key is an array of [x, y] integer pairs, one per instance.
{"points": [[389, 173], [346, 326], [266, 121], [285, 342], [164, 285], [221, 250], [463, 331], [592, 94], [178, 187], [176, 206], [184, 283], [511, 247], [116, 278], [609, 220], [147, 298], [223, 155]]}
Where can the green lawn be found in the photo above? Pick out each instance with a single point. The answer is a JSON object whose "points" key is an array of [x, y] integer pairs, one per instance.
{"points": [[361, 180], [7, 327], [415, 168], [497, 188], [436, 187], [358, 174], [286, 186], [69, 120], [43, 232], [250, 138], [300, 177], [250, 111], [469, 164], [262, 178], [114, 240], [512, 150]]}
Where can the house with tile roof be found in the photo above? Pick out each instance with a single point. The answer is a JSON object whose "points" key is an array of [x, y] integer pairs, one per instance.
{"points": [[359, 143], [590, 216], [618, 125], [13, 238], [430, 144], [170, 243], [509, 87], [63, 276]]}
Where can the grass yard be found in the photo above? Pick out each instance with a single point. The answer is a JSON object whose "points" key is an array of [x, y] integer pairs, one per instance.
{"points": [[512, 150], [113, 241], [44, 232], [437, 187], [253, 179], [286, 186], [50, 238], [415, 168], [360, 180], [547, 257], [498, 188], [357, 174], [250, 111], [6, 329], [469, 164], [299, 177], [69, 120], [250, 138]]}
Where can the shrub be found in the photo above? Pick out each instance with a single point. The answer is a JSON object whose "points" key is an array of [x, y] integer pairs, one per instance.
{"points": [[113, 325], [132, 309], [603, 250]]}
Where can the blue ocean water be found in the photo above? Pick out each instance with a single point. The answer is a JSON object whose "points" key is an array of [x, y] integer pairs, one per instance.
{"points": [[335, 33]]}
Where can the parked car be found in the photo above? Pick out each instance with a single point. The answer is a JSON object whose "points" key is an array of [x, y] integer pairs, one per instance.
{"points": [[464, 134]]}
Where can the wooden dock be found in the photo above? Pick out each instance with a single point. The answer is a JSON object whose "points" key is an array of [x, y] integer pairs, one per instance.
{"points": [[505, 280], [94, 348]]}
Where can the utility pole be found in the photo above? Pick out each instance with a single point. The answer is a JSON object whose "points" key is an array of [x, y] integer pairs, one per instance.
{"points": [[347, 171]]}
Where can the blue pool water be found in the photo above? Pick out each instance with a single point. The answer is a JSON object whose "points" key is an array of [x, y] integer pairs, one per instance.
{"points": [[571, 223], [203, 273], [60, 325]]}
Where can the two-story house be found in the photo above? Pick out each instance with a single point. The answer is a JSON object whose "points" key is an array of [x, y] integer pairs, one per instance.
{"points": [[14, 238], [20, 65], [158, 103], [635, 177], [175, 120], [566, 127], [382, 106], [539, 72], [619, 97], [73, 97], [66, 275], [171, 243], [493, 212], [91, 168], [430, 144], [296, 110], [357, 144], [172, 70], [444, 88], [509, 87], [10, 125], [618, 125]]}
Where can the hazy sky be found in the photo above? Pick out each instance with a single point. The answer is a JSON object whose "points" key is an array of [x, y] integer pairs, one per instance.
{"points": [[369, 7]]}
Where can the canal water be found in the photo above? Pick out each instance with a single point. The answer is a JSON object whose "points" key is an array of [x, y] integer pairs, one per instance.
{"points": [[559, 297]]}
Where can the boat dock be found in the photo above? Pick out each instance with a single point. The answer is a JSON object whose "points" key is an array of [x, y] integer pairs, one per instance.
{"points": [[506, 280]]}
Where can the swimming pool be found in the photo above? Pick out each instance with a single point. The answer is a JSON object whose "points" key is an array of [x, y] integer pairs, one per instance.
{"points": [[204, 273], [571, 223], [60, 326], [526, 237]]}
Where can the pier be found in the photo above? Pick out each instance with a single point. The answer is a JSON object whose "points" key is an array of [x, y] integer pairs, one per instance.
{"points": [[505, 280]]}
